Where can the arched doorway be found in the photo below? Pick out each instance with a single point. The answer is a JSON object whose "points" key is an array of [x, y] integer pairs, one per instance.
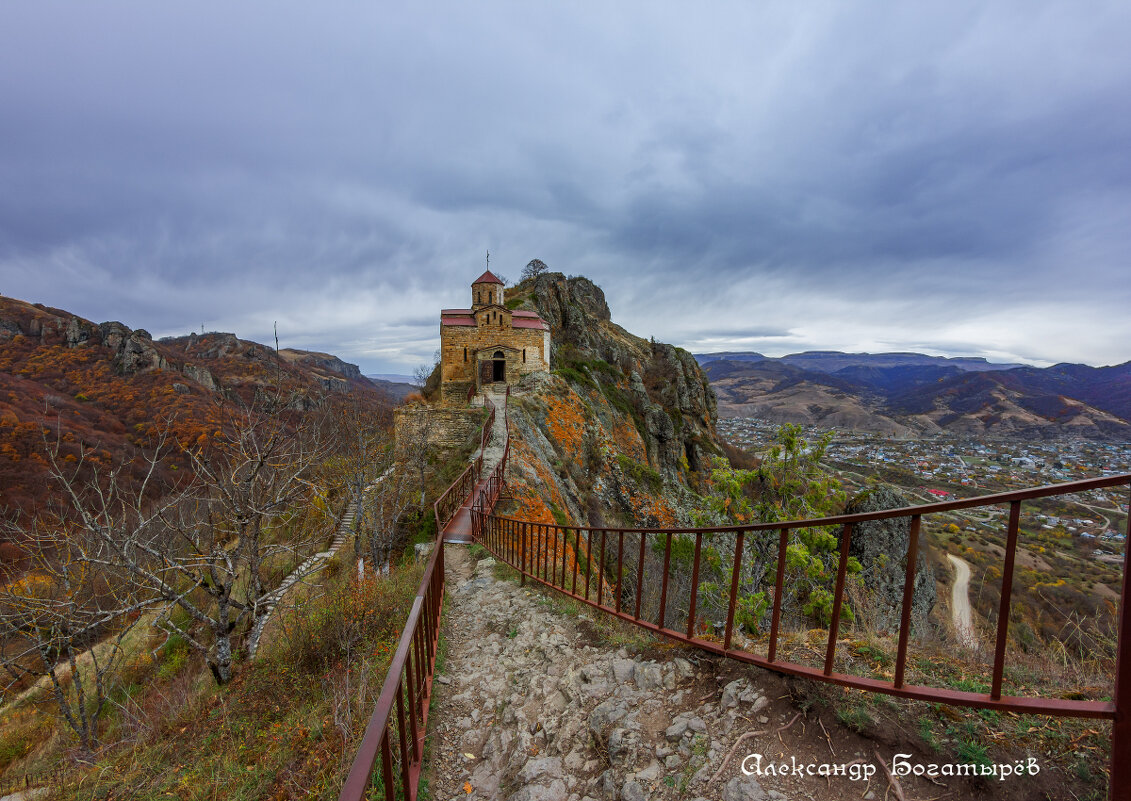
{"points": [[499, 369]]}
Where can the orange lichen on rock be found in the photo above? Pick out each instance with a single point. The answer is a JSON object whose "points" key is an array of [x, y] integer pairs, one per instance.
{"points": [[546, 490], [626, 439], [565, 421], [652, 510]]}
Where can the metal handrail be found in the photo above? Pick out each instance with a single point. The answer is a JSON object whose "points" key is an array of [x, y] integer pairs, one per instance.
{"points": [[408, 687], [523, 545], [407, 690], [54, 777]]}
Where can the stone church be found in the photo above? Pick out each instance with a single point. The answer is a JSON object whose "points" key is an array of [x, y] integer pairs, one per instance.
{"points": [[489, 343]]}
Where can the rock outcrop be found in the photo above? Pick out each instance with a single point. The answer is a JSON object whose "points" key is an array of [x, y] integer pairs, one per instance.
{"points": [[133, 351], [881, 548], [324, 362], [666, 393]]}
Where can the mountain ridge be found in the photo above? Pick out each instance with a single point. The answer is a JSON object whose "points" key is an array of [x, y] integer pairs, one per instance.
{"points": [[907, 394], [110, 391]]}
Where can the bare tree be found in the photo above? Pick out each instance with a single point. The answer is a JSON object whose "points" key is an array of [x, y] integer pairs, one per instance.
{"points": [[384, 505], [256, 503], [50, 622], [416, 453], [377, 490], [533, 269], [67, 617], [260, 500]]}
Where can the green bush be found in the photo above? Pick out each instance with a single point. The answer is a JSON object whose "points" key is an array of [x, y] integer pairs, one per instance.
{"points": [[642, 474]]}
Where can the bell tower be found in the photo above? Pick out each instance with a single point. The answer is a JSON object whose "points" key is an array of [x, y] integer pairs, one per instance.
{"points": [[486, 290]]}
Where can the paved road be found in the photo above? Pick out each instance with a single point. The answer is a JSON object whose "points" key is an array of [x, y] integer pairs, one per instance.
{"points": [[960, 602]]}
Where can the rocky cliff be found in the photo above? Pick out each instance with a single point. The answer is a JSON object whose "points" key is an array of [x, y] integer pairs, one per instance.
{"points": [[622, 430], [880, 546], [668, 395]]}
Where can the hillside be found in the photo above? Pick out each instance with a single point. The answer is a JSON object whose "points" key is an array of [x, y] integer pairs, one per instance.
{"points": [[109, 390], [914, 395]]}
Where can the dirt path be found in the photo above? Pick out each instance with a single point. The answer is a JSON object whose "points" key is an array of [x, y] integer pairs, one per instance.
{"points": [[535, 705], [960, 602]]}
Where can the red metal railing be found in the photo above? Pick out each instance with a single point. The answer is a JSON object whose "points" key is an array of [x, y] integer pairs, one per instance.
{"points": [[522, 545], [396, 730], [47, 778], [493, 487]]}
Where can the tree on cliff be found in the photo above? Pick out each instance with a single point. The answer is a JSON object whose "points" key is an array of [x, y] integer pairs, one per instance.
{"points": [[533, 269], [789, 484]]}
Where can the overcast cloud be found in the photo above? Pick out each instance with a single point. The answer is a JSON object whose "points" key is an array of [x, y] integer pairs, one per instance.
{"points": [[949, 177]]}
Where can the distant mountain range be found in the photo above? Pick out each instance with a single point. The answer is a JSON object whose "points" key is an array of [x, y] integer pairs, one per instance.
{"points": [[911, 394]]}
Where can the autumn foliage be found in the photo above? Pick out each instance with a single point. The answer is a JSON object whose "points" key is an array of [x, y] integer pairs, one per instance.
{"points": [[104, 395]]}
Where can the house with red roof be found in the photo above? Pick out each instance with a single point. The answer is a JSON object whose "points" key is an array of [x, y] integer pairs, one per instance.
{"points": [[489, 343]]}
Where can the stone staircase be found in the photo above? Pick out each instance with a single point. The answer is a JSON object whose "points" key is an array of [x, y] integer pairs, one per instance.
{"points": [[311, 565]]}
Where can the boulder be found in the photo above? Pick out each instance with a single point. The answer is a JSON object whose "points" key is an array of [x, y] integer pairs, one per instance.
{"points": [[881, 548]]}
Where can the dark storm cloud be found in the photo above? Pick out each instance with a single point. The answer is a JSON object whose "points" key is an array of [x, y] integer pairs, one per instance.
{"points": [[773, 176]]}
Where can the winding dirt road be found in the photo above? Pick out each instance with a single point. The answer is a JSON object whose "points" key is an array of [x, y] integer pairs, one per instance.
{"points": [[960, 602]]}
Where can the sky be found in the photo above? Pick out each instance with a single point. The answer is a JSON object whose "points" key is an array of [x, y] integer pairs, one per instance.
{"points": [[949, 177]]}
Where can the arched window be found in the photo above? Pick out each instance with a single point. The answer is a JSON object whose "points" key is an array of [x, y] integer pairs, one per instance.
{"points": [[524, 355], [465, 354], [499, 355]]}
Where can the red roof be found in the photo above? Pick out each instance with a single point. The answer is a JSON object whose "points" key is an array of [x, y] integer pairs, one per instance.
{"points": [[487, 278], [457, 320], [526, 322]]}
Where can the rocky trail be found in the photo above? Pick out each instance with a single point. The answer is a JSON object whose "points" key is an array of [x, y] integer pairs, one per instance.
{"points": [[497, 441], [532, 705]]}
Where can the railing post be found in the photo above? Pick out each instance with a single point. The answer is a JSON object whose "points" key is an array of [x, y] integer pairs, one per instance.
{"points": [[522, 547], [1120, 787], [737, 569], [908, 598], [694, 585], [1006, 594], [664, 581], [601, 575], [620, 564], [640, 577], [838, 598], [779, 590]]}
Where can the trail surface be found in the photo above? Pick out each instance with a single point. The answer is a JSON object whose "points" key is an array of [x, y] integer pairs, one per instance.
{"points": [[497, 440], [533, 704], [960, 602]]}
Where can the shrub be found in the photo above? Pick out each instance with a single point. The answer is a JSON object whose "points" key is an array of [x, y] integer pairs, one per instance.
{"points": [[642, 474], [354, 617]]}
